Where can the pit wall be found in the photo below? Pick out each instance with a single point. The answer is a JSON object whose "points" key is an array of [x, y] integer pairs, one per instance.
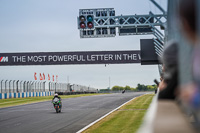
{"points": [[25, 94]]}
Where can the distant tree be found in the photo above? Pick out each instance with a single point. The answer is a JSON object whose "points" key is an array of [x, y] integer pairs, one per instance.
{"points": [[127, 87], [104, 90], [140, 87], [116, 88], [133, 89], [121, 88]]}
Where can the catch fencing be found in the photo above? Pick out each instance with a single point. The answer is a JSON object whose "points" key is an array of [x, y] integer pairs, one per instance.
{"points": [[20, 89]]}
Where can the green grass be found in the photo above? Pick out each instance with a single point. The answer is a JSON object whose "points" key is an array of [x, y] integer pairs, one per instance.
{"points": [[127, 119], [28, 100]]}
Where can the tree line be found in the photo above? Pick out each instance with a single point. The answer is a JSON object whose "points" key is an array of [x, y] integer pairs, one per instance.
{"points": [[140, 87]]}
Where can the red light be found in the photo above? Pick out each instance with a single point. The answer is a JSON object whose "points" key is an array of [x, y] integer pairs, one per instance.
{"points": [[89, 24], [82, 25]]}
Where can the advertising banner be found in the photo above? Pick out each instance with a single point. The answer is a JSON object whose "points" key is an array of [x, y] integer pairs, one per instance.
{"points": [[70, 58]]}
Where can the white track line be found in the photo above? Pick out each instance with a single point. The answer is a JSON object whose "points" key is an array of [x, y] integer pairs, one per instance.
{"points": [[86, 127], [148, 120]]}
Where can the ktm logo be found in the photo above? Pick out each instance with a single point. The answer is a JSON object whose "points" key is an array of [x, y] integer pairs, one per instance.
{"points": [[4, 59]]}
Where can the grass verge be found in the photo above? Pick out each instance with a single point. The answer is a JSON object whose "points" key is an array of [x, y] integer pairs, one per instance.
{"points": [[127, 119], [28, 100]]}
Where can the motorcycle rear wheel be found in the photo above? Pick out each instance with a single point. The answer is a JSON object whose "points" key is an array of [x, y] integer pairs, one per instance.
{"points": [[57, 110]]}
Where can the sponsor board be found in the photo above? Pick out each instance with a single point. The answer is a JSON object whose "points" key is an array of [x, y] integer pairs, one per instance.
{"points": [[68, 58]]}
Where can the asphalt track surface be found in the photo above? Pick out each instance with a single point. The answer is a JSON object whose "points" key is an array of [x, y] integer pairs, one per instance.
{"points": [[76, 114]]}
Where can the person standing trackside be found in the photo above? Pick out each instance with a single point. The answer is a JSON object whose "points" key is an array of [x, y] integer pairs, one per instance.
{"points": [[169, 83]]}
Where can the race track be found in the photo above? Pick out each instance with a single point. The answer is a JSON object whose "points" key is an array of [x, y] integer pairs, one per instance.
{"points": [[76, 114]]}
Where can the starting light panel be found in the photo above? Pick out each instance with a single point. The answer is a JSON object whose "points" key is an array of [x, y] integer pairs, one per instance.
{"points": [[87, 26], [103, 22], [85, 19]]}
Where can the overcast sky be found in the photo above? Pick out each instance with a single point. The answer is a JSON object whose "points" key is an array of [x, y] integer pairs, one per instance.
{"points": [[51, 26]]}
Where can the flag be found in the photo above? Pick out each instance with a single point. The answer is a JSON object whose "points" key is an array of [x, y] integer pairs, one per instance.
{"points": [[35, 76], [43, 76], [49, 77]]}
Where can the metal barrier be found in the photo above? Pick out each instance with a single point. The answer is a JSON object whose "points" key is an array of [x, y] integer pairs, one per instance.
{"points": [[11, 86], [17, 88]]}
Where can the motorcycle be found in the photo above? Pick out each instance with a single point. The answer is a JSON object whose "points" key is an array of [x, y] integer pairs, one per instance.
{"points": [[57, 105]]}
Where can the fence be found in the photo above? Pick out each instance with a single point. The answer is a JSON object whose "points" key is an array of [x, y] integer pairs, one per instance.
{"points": [[18, 89], [11, 86]]}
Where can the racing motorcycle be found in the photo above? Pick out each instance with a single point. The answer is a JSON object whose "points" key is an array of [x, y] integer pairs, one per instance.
{"points": [[57, 104]]}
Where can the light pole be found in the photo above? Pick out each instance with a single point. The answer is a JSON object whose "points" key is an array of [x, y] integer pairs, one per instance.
{"points": [[35, 86], [44, 86], [1, 86], [13, 85], [24, 86], [9, 86], [40, 86], [109, 82], [31, 86], [49, 86], [27, 86], [17, 85], [21, 86], [55, 86], [5, 86]]}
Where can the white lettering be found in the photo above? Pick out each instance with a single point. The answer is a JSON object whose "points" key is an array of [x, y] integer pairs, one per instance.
{"points": [[50, 58], [139, 56], [134, 57], [92, 57], [118, 57], [19, 58], [110, 57], [60, 58], [36, 58], [70, 58], [125, 56]]}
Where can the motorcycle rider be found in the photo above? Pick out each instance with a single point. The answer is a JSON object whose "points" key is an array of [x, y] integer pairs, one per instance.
{"points": [[56, 96]]}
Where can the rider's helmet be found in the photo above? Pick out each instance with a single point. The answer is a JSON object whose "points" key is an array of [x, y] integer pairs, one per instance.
{"points": [[56, 95]]}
